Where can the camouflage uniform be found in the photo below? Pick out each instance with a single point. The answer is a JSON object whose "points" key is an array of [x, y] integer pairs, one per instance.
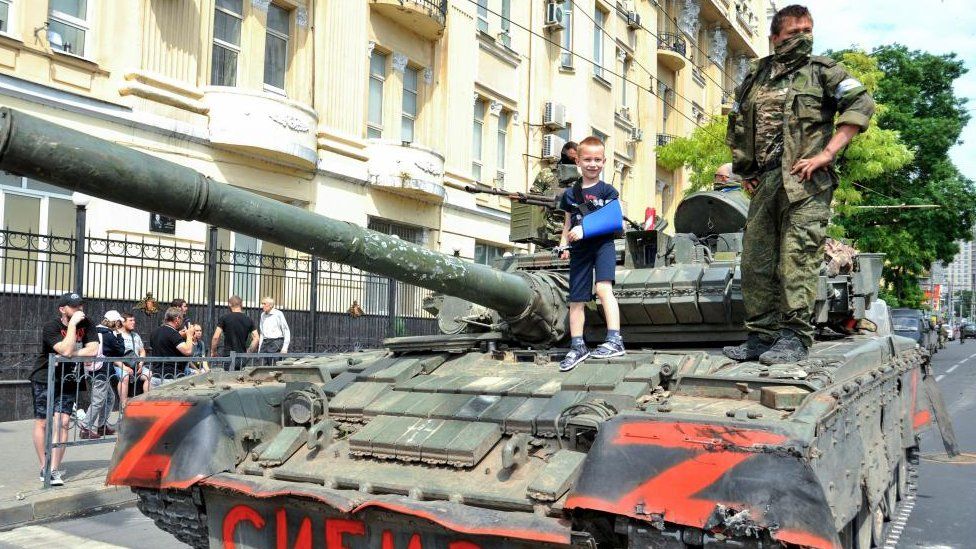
{"points": [[785, 112], [548, 183]]}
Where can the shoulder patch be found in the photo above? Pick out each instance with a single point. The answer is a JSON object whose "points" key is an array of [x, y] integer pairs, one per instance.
{"points": [[845, 86], [822, 60]]}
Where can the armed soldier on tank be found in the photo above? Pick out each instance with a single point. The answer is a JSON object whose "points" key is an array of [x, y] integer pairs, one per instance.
{"points": [[552, 181], [784, 140]]}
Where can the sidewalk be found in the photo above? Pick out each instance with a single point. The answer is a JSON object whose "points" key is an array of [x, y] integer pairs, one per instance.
{"points": [[23, 498]]}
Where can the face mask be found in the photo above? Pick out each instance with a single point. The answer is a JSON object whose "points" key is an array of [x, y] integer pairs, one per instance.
{"points": [[795, 47]]}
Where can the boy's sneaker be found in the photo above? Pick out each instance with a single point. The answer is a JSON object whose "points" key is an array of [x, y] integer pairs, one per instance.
{"points": [[608, 349], [574, 357], [56, 479]]}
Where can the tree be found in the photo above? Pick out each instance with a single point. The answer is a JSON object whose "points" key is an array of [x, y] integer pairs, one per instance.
{"points": [[917, 103], [702, 153]]}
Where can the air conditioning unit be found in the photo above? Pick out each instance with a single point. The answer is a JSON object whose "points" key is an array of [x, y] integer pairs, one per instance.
{"points": [[636, 135], [554, 116], [552, 147], [633, 20], [554, 16]]}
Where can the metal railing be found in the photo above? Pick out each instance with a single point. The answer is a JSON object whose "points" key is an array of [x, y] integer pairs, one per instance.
{"points": [[96, 390], [665, 138], [673, 41], [329, 306], [436, 9]]}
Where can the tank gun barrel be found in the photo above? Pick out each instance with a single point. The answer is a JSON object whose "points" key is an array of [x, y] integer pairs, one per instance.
{"points": [[48, 152]]}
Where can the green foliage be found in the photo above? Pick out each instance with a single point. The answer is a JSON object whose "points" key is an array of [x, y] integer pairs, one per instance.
{"points": [[919, 109], [702, 153]]}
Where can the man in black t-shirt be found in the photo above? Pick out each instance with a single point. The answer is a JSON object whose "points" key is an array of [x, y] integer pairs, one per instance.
{"points": [[166, 341], [236, 327], [69, 334]]}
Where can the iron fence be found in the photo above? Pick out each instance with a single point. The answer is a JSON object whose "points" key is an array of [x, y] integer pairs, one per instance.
{"points": [[330, 307]]}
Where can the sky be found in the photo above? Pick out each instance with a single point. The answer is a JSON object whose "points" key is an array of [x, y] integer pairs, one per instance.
{"points": [[934, 26]]}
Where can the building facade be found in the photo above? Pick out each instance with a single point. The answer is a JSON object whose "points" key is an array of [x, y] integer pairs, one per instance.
{"points": [[376, 112], [958, 274]]}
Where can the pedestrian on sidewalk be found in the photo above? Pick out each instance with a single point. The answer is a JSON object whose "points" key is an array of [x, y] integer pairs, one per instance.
{"points": [[184, 308], [236, 327], [275, 334], [70, 334], [167, 342], [101, 374], [199, 350], [136, 372]]}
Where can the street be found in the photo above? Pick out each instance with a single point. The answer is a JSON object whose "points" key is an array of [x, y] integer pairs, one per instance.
{"points": [[942, 515]]}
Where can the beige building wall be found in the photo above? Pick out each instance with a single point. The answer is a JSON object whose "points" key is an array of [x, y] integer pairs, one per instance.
{"points": [[324, 128]]}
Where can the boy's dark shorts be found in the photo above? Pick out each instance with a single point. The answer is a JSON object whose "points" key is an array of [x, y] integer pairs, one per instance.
{"points": [[63, 403], [586, 260]]}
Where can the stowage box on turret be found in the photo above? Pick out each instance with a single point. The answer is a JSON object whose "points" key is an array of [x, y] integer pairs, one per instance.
{"points": [[473, 439]]}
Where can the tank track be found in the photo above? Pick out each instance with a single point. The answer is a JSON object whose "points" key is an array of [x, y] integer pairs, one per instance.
{"points": [[179, 512]]}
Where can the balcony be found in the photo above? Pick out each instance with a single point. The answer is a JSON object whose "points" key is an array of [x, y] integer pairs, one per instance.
{"points": [[407, 170], [428, 18], [671, 50], [665, 138], [267, 126]]}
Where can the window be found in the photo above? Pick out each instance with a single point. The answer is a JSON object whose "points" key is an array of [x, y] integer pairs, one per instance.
{"points": [[566, 57], [483, 15], [276, 46], [409, 298], [566, 133], [486, 254], [4, 15], [29, 206], [503, 118], [599, 21], [606, 143], [625, 64], [477, 136], [410, 80], [68, 25], [377, 75], [228, 16], [506, 35]]}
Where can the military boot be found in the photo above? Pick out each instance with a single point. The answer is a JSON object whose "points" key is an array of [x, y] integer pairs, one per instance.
{"points": [[788, 348], [750, 350]]}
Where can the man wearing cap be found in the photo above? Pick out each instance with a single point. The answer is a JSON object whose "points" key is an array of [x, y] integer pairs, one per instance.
{"points": [[95, 423], [69, 334]]}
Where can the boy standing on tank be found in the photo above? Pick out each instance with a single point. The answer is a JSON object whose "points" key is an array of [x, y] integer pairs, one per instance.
{"points": [[589, 258]]}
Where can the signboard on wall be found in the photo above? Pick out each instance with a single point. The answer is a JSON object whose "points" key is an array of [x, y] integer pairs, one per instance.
{"points": [[159, 223]]}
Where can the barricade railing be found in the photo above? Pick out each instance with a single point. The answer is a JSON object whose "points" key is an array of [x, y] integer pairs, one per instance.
{"points": [[108, 386]]}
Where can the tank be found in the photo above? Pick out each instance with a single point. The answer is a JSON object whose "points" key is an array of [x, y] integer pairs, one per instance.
{"points": [[473, 439]]}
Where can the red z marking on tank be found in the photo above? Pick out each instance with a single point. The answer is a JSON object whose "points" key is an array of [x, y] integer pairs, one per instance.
{"points": [[138, 466], [336, 528], [715, 451]]}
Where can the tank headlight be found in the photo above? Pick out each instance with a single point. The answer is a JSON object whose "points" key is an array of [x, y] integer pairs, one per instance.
{"points": [[303, 407], [300, 410]]}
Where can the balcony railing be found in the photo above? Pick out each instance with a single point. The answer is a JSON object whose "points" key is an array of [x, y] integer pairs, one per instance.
{"points": [[425, 17], [673, 41], [665, 138]]}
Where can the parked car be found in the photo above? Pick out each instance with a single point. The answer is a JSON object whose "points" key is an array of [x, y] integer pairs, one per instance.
{"points": [[915, 324], [967, 331]]}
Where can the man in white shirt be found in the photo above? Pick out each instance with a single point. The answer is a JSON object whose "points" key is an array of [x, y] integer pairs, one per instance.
{"points": [[275, 335]]}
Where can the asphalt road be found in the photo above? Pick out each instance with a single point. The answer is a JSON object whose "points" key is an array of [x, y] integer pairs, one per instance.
{"points": [[942, 516]]}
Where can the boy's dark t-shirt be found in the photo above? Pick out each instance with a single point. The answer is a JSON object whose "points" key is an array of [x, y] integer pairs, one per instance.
{"points": [[164, 341], [53, 332], [237, 328], [598, 195]]}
